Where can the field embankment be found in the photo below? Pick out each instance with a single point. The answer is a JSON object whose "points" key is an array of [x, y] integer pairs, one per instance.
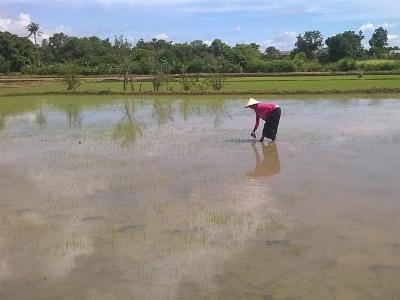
{"points": [[278, 85]]}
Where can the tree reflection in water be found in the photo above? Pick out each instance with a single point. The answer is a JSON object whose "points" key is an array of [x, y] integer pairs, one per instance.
{"points": [[163, 111], [73, 115], [40, 117], [128, 130], [196, 107], [2, 121]]}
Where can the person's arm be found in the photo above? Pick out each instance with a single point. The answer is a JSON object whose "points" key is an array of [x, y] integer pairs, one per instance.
{"points": [[257, 123]]}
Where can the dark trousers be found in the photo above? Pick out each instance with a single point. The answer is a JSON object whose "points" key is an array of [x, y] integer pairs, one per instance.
{"points": [[271, 124]]}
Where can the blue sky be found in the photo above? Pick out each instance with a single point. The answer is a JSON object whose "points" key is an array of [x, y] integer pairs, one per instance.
{"points": [[273, 22]]}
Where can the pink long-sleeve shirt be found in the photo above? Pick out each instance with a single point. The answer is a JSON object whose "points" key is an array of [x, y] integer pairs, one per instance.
{"points": [[263, 111]]}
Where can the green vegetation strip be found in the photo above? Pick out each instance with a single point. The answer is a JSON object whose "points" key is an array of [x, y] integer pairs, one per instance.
{"points": [[221, 92], [291, 85]]}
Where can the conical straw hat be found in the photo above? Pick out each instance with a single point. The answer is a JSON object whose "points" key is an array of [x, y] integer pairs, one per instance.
{"points": [[252, 101]]}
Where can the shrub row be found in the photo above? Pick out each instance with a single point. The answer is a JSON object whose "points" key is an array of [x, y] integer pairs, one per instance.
{"points": [[274, 66], [59, 69], [383, 66]]}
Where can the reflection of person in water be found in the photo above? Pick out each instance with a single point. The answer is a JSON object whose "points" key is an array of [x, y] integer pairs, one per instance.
{"points": [[270, 113], [270, 165]]}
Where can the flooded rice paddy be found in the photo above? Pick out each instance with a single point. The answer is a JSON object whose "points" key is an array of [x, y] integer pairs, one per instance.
{"points": [[169, 198]]}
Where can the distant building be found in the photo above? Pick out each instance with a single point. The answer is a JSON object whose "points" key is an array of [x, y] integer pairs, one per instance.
{"points": [[284, 53], [394, 52]]}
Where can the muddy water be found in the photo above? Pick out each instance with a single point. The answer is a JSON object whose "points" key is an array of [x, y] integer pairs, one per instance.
{"points": [[170, 199]]}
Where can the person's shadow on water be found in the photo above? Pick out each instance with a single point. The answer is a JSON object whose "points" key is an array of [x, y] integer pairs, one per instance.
{"points": [[269, 165]]}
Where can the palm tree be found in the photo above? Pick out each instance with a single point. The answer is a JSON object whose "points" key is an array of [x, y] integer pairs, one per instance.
{"points": [[33, 29]]}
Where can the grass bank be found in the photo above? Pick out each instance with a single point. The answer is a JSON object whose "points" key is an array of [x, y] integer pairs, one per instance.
{"points": [[274, 85]]}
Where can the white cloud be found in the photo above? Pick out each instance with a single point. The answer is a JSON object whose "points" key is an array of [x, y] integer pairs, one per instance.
{"points": [[370, 27], [162, 36], [316, 10], [284, 41], [17, 25], [308, 6], [394, 40], [281, 7], [238, 29], [367, 27]]}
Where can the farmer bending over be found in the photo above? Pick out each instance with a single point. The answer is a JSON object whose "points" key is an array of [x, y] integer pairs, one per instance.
{"points": [[270, 113]]}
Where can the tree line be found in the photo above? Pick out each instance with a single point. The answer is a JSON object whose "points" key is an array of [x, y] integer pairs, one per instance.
{"points": [[93, 55]]}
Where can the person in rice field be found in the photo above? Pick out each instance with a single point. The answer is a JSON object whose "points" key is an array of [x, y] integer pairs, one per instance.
{"points": [[270, 113]]}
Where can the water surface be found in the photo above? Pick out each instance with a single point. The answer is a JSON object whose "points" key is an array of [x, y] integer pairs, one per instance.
{"points": [[169, 198]]}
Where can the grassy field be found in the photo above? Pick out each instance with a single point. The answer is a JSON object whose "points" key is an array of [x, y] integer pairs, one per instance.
{"points": [[233, 85], [376, 61]]}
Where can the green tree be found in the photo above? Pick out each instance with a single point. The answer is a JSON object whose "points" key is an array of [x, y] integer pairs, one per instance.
{"points": [[271, 53], [54, 49], [378, 42], [183, 52], [17, 52], [4, 65], [248, 57], [379, 38], [346, 44], [219, 48], [323, 56], [199, 48], [310, 43], [33, 29], [122, 46], [197, 65]]}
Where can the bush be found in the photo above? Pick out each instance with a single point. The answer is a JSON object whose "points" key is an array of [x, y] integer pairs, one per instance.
{"points": [[228, 67], [299, 59], [311, 67], [100, 69], [254, 65], [162, 76], [157, 81], [70, 74], [187, 82], [346, 64], [279, 66], [379, 66], [58, 69], [216, 80]]}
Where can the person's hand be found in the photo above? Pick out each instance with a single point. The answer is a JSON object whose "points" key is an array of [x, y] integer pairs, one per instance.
{"points": [[253, 134]]}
